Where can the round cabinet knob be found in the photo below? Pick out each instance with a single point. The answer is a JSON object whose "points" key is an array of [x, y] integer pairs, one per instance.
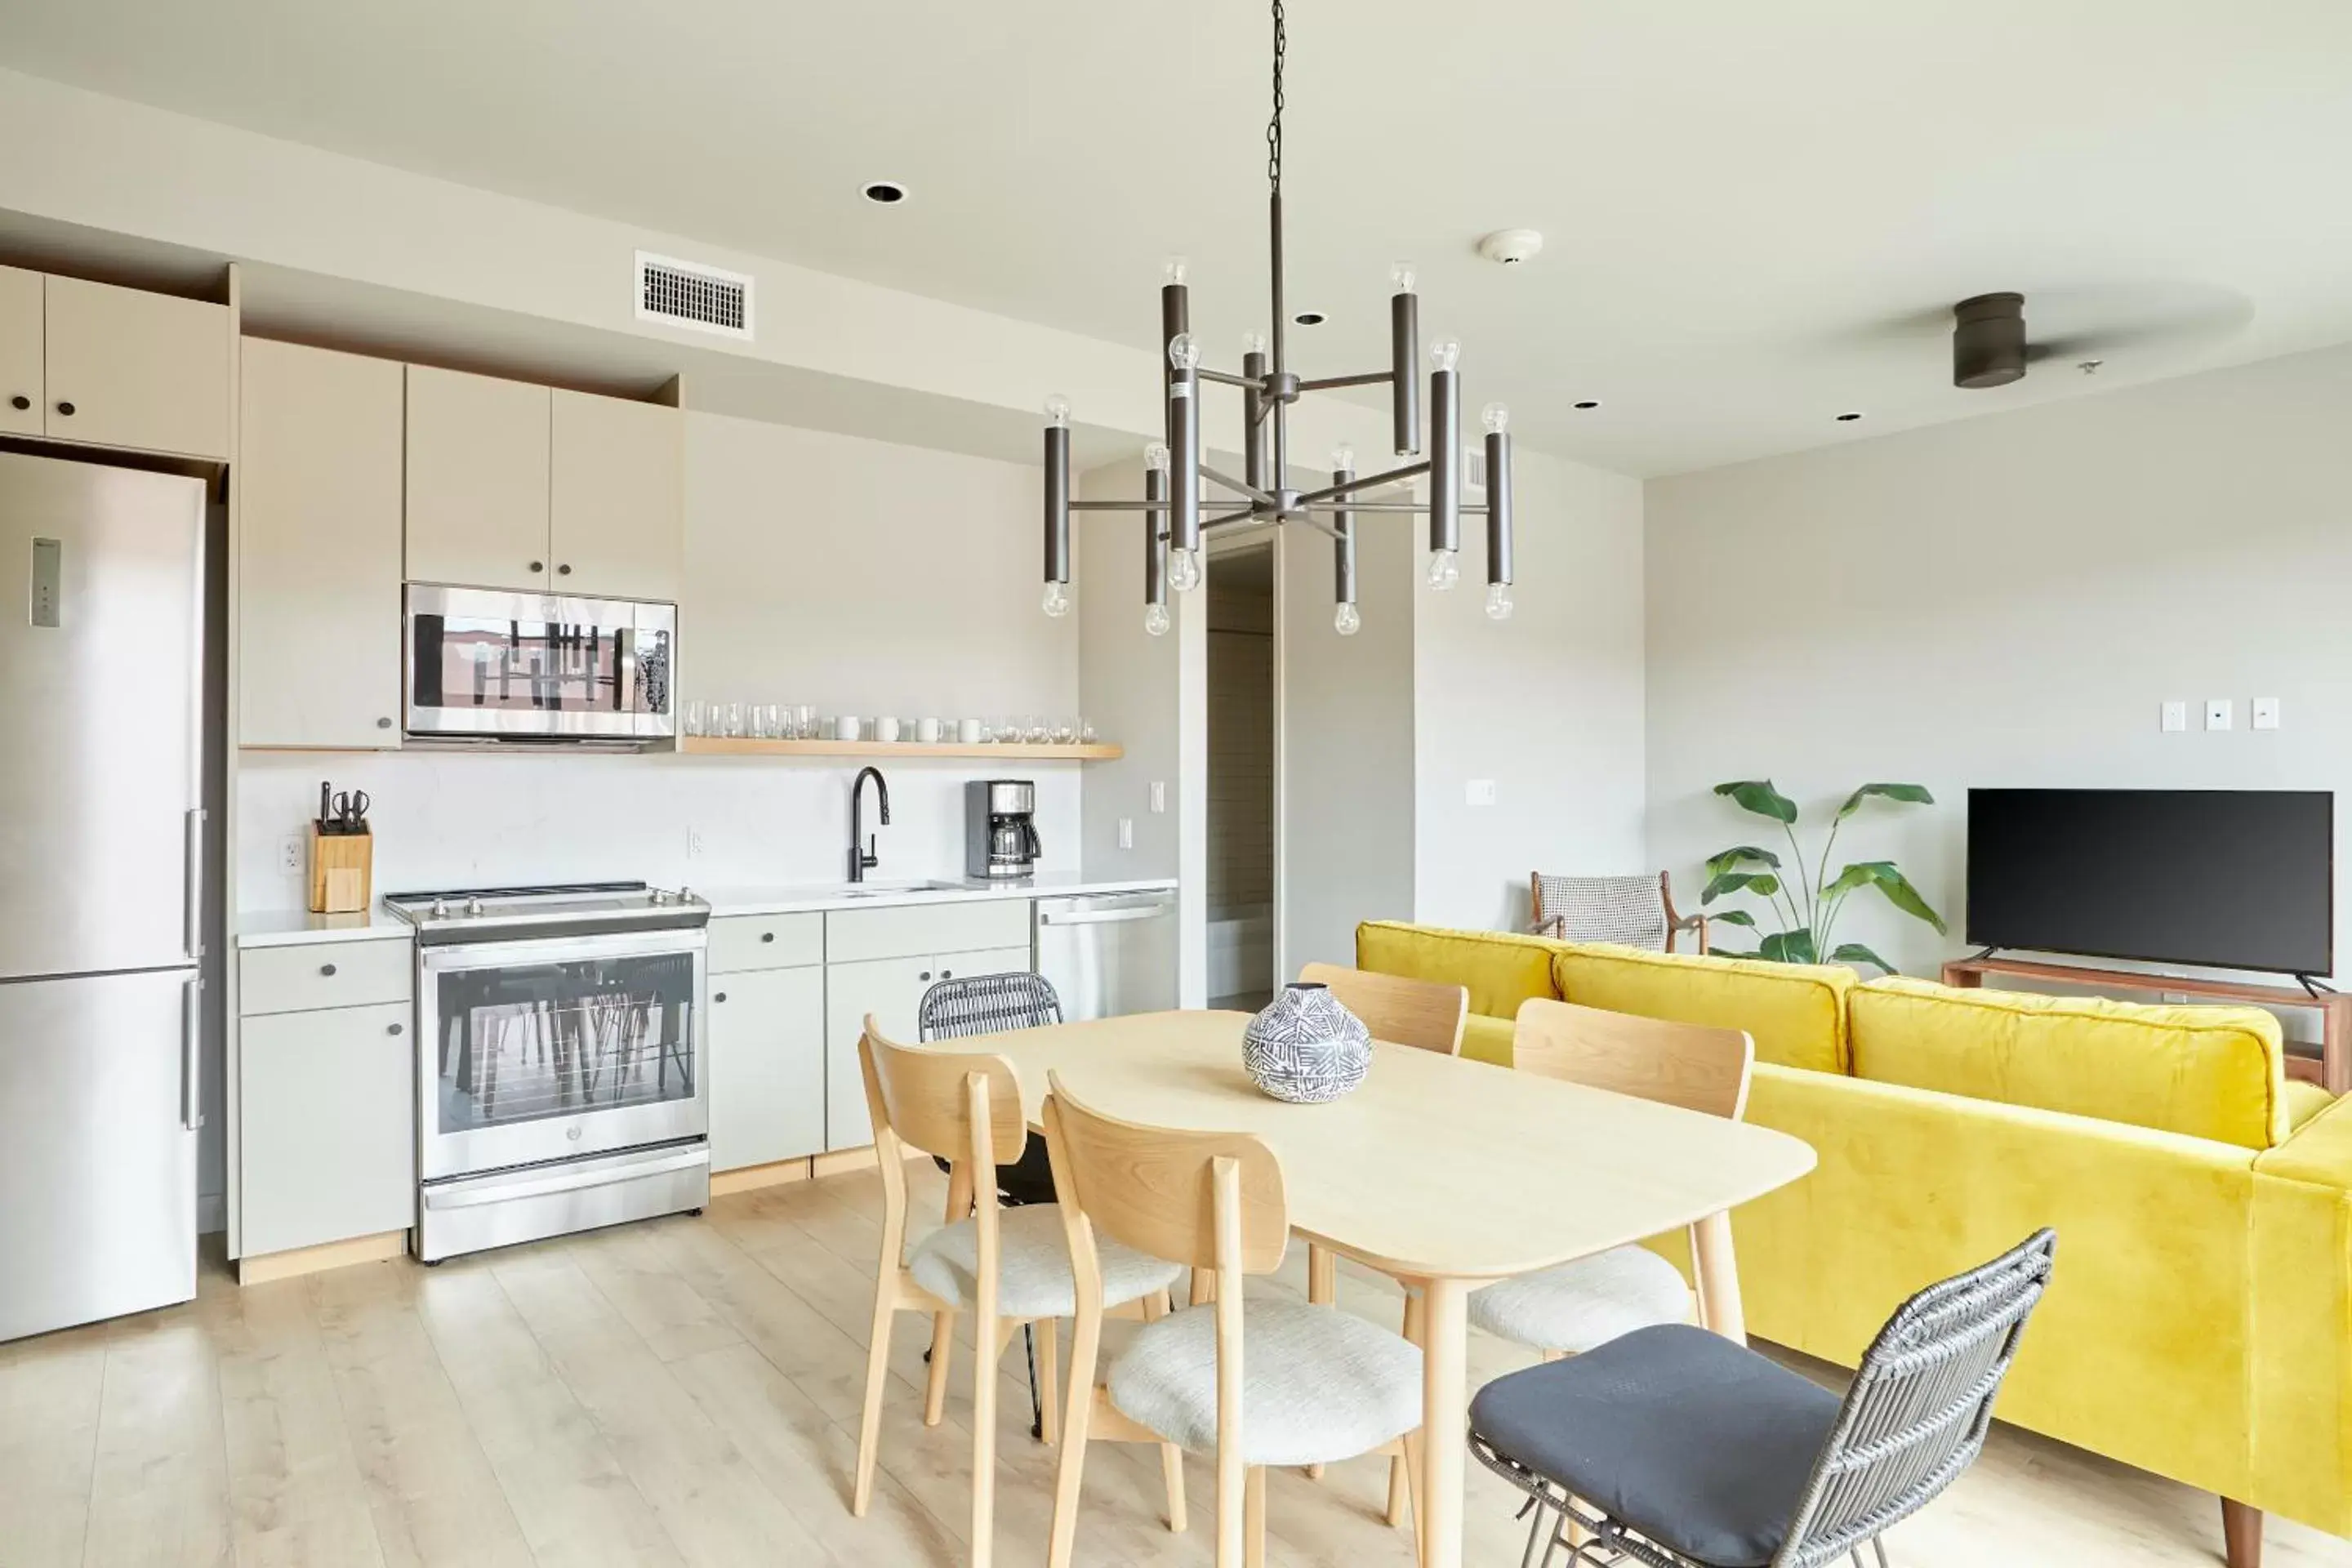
{"points": [[947, 975], [721, 996], [766, 936], [384, 723], [20, 403], [564, 570], [538, 565], [392, 1029], [67, 409], [326, 969], [926, 974]]}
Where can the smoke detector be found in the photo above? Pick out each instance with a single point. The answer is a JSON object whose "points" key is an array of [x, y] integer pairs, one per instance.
{"points": [[1509, 247]]}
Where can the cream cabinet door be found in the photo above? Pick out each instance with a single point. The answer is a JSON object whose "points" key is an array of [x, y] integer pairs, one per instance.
{"points": [[765, 1055], [892, 990], [618, 478], [22, 409], [319, 475], [989, 961], [477, 481], [325, 1126], [127, 368]]}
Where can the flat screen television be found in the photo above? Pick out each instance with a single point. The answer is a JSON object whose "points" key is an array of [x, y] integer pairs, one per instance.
{"points": [[2224, 878]]}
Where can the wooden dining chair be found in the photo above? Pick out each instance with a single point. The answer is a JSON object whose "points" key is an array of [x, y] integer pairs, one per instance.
{"points": [[1008, 1267], [1257, 1380]]}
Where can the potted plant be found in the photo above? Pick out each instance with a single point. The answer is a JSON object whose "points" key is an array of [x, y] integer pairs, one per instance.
{"points": [[1809, 902]]}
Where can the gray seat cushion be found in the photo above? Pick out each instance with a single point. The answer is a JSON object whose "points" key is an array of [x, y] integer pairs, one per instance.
{"points": [[1318, 1384], [1582, 1305], [1696, 1442], [1033, 1275]]}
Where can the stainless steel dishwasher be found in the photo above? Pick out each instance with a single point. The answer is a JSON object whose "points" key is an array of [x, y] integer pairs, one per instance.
{"points": [[1109, 954]]}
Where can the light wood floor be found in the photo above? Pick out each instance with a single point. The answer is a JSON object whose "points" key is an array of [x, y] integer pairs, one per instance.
{"points": [[686, 1391]]}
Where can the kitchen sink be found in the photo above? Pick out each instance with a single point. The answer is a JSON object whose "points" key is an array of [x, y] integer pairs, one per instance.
{"points": [[888, 889]]}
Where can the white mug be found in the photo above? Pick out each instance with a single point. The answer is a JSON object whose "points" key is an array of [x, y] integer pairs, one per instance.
{"points": [[926, 730], [845, 727], [886, 729], [969, 731]]}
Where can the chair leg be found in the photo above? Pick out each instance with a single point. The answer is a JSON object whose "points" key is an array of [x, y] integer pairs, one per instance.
{"points": [[878, 1369], [1253, 1519], [1322, 1291], [1069, 1475], [935, 1392], [1172, 1457], [987, 1346], [1204, 1287], [1044, 1372], [2242, 1535], [1404, 1471]]}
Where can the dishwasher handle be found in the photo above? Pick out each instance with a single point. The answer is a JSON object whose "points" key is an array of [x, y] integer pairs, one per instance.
{"points": [[1104, 917]]}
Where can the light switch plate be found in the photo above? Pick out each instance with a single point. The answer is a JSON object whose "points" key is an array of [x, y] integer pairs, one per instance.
{"points": [[2266, 712], [2218, 713], [1480, 791], [1159, 796], [2176, 718], [1127, 833]]}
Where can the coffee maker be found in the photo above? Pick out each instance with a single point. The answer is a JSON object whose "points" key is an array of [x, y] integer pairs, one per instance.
{"points": [[999, 827]]}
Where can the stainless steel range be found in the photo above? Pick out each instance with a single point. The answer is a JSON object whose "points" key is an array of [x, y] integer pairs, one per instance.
{"points": [[559, 1082]]}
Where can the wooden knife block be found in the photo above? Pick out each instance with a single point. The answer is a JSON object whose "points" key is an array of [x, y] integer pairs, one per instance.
{"points": [[343, 873]]}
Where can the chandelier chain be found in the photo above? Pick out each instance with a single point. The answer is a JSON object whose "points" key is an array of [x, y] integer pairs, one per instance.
{"points": [[1273, 126]]}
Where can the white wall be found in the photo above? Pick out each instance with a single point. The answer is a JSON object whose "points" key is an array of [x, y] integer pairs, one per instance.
{"points": [[1546, 705], [2007, 601]]}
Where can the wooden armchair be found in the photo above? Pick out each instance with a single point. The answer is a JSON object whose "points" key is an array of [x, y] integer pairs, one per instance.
{"points": [[1631, 911]]}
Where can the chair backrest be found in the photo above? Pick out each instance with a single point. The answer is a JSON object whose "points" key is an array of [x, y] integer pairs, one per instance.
{"points": [[1422, 1014], [934, 1101], [1175, 1195], [1630, 911], [1690, 1065], [1919, 1405], [987, 1004]]}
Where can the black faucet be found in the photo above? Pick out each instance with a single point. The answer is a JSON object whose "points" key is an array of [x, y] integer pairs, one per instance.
{"points": [[862, 859]]}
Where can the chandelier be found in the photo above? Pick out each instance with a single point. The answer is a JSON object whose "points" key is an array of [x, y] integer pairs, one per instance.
{"points": [[1172, 504]]}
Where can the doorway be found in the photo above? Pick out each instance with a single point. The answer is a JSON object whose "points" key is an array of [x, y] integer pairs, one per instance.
{"points": [[1243, 760]]}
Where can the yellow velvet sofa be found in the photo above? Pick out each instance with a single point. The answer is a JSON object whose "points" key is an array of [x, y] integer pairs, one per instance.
{"points": [[2200, 1322]]}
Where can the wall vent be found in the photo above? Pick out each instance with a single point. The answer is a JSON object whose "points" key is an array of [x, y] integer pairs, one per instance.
{"points": [[687, 294]]}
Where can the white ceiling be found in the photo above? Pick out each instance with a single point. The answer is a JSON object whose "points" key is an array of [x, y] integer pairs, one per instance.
{"points": [[1753, 211]]}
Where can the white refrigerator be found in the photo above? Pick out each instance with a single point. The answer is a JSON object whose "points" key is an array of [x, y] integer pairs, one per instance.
{"points": [[102, 871]]}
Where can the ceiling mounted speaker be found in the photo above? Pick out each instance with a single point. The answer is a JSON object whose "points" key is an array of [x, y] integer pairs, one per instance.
{"points": [[1989, 341]]}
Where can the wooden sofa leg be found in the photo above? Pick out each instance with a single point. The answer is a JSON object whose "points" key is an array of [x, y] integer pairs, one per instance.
{"points": [[2242, 1535]]}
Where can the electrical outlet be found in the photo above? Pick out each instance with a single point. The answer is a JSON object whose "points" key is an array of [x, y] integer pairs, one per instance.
{"points": [[2266, 712], [1159, 797], [1480, 791], [693, 844], [1127, 833], [290, 853], [2176, 718], [2218, 712]]}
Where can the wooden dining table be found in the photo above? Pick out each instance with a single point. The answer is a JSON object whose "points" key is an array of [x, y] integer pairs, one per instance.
{"points": [[1441, 1173]]}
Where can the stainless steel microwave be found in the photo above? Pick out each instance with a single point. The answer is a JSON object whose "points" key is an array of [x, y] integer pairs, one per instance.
{"points": [[486, 664]]}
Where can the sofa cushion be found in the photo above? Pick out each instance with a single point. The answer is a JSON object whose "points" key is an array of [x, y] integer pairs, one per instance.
{"points": [[1486, 1039], [2206, 1072], [1794, 1012], [1499, 970], [2304, 1101]]}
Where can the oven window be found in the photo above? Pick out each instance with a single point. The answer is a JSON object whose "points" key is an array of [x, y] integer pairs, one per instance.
{"points": [[460, 662], [522, 1043]]}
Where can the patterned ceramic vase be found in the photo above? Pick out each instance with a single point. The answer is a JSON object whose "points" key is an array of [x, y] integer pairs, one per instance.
{"points": [[1306, 1047]]}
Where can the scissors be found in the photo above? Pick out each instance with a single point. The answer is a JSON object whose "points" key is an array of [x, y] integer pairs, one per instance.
{"points": [[350, 809]]}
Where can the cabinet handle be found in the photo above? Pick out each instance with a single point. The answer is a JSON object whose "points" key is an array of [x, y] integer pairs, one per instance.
{"points": [[20, 403], [766, 936], [721, 996], [384, 723], [326, 969], [67, 409], [538, 565], [564, 570], [392, 1029]]}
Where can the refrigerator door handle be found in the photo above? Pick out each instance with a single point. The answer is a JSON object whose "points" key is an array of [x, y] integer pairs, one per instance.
{"points": [[192, 1033], [194, 866]]}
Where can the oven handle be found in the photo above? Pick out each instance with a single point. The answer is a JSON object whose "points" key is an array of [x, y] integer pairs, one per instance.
{"points": [[504, 953], [570, 1181]]}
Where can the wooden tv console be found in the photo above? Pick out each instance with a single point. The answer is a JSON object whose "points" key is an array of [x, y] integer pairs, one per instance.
{"points": [[2332, 1071]]}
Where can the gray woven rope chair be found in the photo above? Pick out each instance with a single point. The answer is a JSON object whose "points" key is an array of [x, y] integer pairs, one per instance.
{"points": [[1631, 911], [988, 1004], [1673, 1447]]}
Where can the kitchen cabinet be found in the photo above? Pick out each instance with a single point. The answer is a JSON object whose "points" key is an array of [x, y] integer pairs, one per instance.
{"points": [[122, 367], [23, 406], [891, 989], [325, 1126], [306, 976], [765, 1056], [617, 520], [318, 474], [477, 481]]}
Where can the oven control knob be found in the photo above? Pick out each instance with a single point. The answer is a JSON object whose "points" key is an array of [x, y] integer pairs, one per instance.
{"points": [[440, 909], [473, 906], [572, 1133]]}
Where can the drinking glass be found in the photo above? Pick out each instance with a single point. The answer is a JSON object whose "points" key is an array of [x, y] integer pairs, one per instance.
{"points": [[1038, 734], [1087, 732], [698, 717], [772, 722], [804, 722], [731, 721]]}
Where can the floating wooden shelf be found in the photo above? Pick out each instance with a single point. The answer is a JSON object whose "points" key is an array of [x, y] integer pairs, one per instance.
{"points": [[726, 746]]}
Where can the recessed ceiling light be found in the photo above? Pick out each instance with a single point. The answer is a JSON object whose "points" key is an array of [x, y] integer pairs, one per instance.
{"points": [[1848, 418], [889, 193], [1589, 403], [1310, 318]]}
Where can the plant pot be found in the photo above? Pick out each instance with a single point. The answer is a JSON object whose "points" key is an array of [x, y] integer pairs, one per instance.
{"points": [[1305, 1047]]}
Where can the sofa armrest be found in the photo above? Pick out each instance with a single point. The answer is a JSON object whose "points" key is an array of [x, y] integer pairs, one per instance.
{"points": [[2319, 1151], [2302, 1360]]}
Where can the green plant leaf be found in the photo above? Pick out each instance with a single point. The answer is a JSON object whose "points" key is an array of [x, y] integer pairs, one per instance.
{"points": [[1761, 883], [1788, 947], [1854, 952], [1759, 797], [1901, 893], [1741, 854], [1847, 881], [1908, 794], [1730, 952], [1733, 918]]}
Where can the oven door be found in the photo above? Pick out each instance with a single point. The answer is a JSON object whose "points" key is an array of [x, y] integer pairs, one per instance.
{"points": [[483, 664], [545, 1049]]}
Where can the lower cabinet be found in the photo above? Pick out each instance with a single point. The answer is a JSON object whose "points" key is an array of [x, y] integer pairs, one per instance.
{"points": [[765, 1056], [327, 1126], [891, 989]]}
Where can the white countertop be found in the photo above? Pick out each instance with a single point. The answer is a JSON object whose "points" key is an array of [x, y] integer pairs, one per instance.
{"points": [[287, 928]]}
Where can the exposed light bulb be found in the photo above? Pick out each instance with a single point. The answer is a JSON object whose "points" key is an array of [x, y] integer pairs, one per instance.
{"points": [[1057, 599], [1183, 352], [1183, 570], [1252, 342], [1445, 353], [1498, 601], [1155, 620], [1445, 568], [1343, 459], [1346, 621], [1401, 274], [1495, 417], [1174, 272], [1058, 412], [1155, 456]]}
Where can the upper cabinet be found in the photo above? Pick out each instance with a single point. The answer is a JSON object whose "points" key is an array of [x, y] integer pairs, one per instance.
{"points": [[618, 474], [127, 368], [318, 474], [23, 406], [515, 485], [477, 481]]}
